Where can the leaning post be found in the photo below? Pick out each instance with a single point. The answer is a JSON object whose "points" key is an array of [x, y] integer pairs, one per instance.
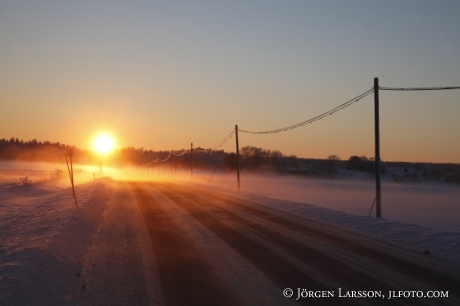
{"points": [[70, 169]]}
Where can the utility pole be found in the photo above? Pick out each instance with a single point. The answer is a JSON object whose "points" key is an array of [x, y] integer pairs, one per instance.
{"points": [[191, 161], [378, 196], [237, 158], [171, 161]]}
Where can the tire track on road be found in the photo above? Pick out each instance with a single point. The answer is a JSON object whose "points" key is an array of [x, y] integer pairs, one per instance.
{"points": [[186, 277], [279, 269], [336, 270], [426, 275]]}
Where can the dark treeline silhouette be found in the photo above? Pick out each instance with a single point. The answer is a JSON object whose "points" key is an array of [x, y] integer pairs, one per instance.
{"points": [[258, 159], [252, 159], [33, 150], [46, 151]]}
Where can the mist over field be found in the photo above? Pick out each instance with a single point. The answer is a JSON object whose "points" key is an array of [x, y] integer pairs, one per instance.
{"points": [[43, 234], [431, 204]]}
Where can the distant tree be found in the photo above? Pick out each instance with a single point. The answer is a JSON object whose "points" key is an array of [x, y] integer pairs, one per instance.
{"points": [[359, 163], [293, 162], [364, 158], [251, 157], [277, 160], [354, 162], [333, 157], [331, 164], [230, 161]]}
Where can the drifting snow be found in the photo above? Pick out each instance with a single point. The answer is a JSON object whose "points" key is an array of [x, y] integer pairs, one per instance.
{"points": [[48, 248], [420, 217], [441, 244], [52, 253], [43, 242]]}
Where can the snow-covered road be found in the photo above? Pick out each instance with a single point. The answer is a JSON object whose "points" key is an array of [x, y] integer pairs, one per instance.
{"points": [[215, 249], [172, 243]]}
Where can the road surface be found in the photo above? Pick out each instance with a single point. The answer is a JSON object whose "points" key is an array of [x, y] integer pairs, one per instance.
{"points": [[182, 244]]}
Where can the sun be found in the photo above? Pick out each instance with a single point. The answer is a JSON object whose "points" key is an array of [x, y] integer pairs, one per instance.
{"points": [[104, 144]]}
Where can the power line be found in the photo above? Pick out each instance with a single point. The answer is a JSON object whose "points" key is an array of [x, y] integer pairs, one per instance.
{"points": [[180, 153], [417, 88], [319, 117], [167, 158], [229, 136], [162, 160], [199, 150]]}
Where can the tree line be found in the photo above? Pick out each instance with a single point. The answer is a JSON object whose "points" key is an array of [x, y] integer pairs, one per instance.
{"points": [[252, 159], [33, 150]]}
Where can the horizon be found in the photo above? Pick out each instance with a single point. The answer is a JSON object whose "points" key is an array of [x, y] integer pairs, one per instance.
{"points": [[94, 151], [164, 75]]}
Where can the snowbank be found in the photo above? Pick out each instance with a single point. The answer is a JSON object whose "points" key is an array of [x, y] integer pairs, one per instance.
{"points": [[443, 245], [42, 245]]}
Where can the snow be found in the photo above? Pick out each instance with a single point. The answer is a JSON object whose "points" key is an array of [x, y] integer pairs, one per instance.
{"points": [[43, 238], [49, 249], [441, 244], [434, 205], [416, 216]]}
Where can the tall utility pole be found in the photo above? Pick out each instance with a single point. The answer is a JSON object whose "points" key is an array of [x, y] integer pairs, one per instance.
{"points": [[237, 158], [378, 196], [191, 161], [171, 161]]}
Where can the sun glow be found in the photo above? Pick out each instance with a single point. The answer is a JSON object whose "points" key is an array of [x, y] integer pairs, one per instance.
{"points": [[104, 144]]}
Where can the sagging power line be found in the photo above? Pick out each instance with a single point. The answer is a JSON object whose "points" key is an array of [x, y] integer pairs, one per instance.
{"points": [[229, 136], [375, 89], [319, 117]]}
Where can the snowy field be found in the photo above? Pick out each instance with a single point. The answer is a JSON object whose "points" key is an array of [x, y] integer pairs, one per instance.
{"points": [[42, 234], [423, 216], [434, 205]]}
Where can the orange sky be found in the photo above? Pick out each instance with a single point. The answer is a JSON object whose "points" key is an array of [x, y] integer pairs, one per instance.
{"points": [[161, 76]]}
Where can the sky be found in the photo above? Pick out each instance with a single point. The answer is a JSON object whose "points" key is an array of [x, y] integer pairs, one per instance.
{"points": [[163, 74]]}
